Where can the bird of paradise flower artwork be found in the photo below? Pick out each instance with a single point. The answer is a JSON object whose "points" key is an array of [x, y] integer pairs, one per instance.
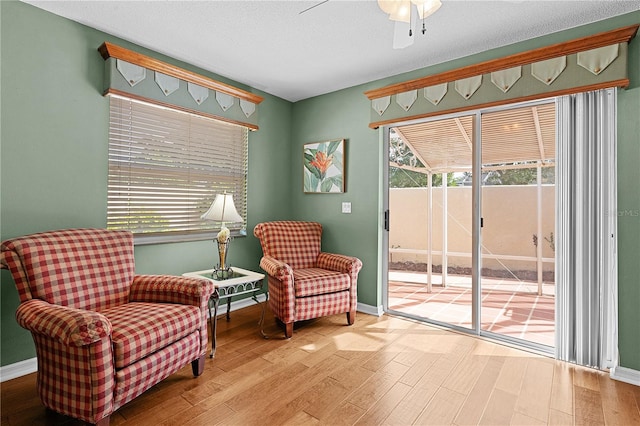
{"points": [[323, 166]]}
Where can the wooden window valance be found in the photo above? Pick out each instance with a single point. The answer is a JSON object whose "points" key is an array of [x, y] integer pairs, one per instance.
{"points": [[588, 63], [137, 76]]}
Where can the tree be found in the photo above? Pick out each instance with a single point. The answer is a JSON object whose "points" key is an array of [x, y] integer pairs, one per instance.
{"points": [[525, 176]]}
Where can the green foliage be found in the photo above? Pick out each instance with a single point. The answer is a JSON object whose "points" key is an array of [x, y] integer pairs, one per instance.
{"points": [[527, 176]]}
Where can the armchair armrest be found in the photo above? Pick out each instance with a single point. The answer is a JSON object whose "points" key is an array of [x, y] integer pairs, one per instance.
{"points": [[276, 268], [171, 289], [339, 263], [69, 326]]}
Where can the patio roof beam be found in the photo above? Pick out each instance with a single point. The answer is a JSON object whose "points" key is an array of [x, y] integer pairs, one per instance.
{"points": [[517, 166], [464, 132], [422, 170], [536, 122], [425, 171], [413, 150]]}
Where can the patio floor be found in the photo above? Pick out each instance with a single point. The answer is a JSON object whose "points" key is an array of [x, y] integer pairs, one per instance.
{"points": [[509, 307]]}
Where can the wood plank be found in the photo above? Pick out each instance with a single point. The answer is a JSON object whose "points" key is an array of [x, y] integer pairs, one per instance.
{"points": [[442, 408], [464, 376], [345, 414], [587, 378], [619, 403], [385, 405], [301, 418], [475, 404], [520, 419], [500, 408], [588, 407], [440, 370], [412, 405], [378, 384], [561, 388], [512, 374], [419, 368], [559, 418], [534, 397], [198, 415]]}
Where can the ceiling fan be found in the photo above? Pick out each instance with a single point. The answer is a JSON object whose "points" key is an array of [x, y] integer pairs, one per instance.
{"points": [[405, 14]]}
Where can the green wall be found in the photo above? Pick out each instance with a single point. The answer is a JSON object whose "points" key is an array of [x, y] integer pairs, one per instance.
{"points": [[54, 160], [345, 114], [54, 135]]}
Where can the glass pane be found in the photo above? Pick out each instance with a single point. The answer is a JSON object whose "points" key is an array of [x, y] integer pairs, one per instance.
{"points": [[518, 211], [430, 222]]}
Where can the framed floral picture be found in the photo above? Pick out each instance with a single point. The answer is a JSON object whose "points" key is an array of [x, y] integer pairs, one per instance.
{"points": [[324, 167]]}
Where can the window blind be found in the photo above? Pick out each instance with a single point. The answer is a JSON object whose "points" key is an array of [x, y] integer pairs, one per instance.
{"points": [[166, 167]]}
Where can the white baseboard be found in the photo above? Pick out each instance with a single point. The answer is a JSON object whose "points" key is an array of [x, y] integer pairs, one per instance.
{"points": [[18, 369], [371, 310], [626, 375]]}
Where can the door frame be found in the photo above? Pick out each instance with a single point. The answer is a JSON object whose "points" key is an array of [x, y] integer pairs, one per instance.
{"points": [[476, 231]]}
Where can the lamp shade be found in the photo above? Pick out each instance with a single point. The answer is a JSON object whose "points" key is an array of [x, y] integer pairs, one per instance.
{"points": [[222, 209]]}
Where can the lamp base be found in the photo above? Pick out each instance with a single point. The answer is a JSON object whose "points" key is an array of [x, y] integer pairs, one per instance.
{"points": [[222, 271]]}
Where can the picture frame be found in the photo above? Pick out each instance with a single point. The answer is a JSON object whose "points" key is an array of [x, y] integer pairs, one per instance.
{"points": [[323, 167]]}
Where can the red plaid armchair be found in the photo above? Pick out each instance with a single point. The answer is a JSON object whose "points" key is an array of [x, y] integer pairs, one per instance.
{"points": [[103, 334], [304, 282]]}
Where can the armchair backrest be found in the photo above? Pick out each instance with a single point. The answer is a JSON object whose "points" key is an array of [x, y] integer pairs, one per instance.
{"points": [[294, 243], [81, 268]]}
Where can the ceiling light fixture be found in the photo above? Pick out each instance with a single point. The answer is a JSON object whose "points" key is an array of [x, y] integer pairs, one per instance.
{"points": [[400, 11]]}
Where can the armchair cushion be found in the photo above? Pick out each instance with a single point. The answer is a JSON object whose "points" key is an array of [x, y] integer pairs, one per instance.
{"points": [[73, 273], [315, 281], [140, 329], [295, 243]]}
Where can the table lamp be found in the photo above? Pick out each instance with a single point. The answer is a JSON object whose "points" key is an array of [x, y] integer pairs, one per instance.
{"points": [[222, 210]]}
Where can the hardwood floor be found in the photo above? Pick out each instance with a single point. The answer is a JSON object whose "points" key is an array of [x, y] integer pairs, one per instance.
{"points": [[379, 371]]}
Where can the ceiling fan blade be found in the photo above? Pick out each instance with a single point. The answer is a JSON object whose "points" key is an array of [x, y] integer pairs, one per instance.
{"points": [[401, 34]]}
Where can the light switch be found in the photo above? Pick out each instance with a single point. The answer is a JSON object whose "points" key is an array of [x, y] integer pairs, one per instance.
{"points": [[346, 207]]}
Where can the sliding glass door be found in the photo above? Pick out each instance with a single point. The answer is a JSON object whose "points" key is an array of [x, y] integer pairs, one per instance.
{"points": [[501, 281]]}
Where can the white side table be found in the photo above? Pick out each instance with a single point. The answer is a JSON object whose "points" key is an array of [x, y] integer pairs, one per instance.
{"points": [[240, 282]]}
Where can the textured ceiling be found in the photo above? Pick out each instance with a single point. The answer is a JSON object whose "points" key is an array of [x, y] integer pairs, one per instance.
{"points": [[272, 46]]}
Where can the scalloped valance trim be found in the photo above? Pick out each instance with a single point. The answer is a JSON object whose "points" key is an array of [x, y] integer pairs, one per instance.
{"points": [[134, 75], [588, 63]]}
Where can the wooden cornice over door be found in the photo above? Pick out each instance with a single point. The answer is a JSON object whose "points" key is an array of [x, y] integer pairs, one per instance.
{"points": [[572, 47]]}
